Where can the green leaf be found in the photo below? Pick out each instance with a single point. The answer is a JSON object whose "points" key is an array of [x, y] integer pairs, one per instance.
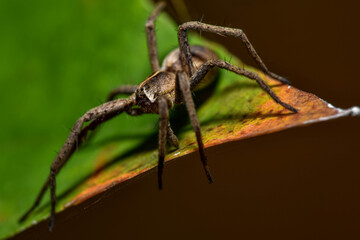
{"points": [[60, 59]]}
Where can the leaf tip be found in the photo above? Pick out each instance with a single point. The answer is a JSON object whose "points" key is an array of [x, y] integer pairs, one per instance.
{"points": [[354, 111]]}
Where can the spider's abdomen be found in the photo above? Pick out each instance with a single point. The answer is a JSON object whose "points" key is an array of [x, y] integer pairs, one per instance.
{"points": [[200, 55]]}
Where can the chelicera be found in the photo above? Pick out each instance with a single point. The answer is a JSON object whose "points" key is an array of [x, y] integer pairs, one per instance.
{"points": [[182, 72]]}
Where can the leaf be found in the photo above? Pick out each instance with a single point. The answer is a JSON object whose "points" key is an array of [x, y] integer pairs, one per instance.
{"points": [[101, 45]]}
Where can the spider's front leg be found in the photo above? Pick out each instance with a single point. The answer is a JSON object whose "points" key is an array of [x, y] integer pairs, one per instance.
{"points": [[78, 134], [185, 54], [151, 36], [182, 88], [112, 109], [163, 129], [152, 49], [183, 84]]}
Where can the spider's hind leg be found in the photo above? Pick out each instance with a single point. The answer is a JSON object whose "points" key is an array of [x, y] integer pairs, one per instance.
{"points": [[186, 58]]}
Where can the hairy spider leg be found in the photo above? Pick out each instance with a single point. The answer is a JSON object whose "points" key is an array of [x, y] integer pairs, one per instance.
{"points": [[186, 93], [124, 89], [163, 129], [78, 134], [185, 54], [92, 126], [153, 55], [152, 49], [206, 67], [151, 36]]}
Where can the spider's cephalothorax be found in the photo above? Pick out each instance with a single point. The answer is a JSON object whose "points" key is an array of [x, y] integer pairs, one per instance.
{"points": [[184, 70], [163, 82], [157, 85]]}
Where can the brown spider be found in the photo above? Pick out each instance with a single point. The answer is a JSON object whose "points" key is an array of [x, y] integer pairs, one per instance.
{"points": [[182, 72]]}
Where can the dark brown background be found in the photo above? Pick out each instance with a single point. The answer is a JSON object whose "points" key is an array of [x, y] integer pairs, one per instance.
{"points": [[301, 183]]}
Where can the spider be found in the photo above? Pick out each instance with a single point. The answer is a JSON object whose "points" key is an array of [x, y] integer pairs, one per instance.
{"points": [[183, 71]]}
